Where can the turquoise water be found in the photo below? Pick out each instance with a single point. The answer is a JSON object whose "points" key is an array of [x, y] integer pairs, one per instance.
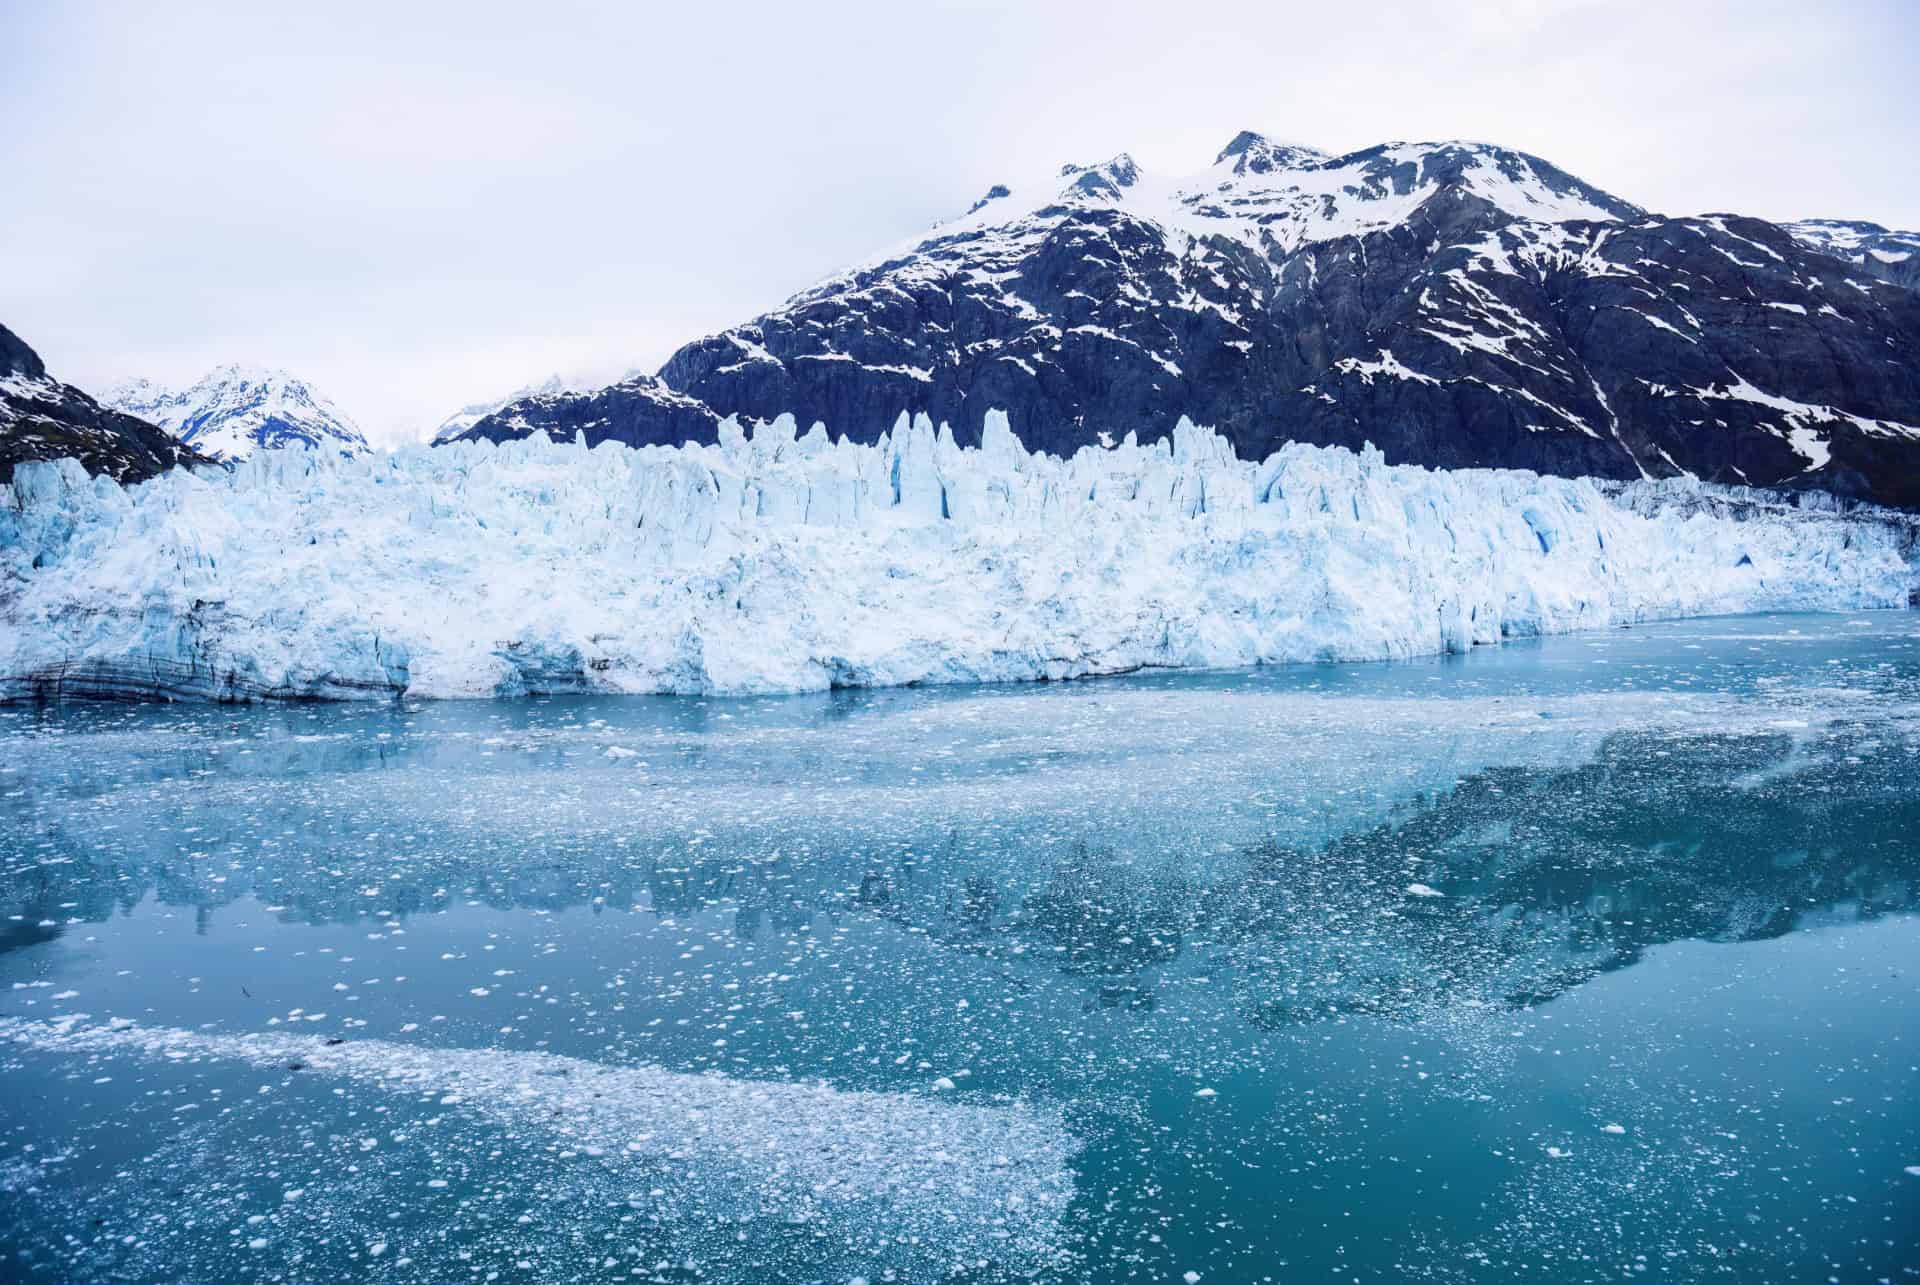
{"points": [[1593, 958]]}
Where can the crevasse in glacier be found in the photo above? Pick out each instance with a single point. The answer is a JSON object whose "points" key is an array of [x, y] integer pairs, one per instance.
{"points": [[778, 562]]}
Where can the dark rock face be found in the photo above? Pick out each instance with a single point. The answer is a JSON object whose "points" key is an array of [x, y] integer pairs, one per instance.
{"points": [[1454, 304], [638, 411], [43, 419], [1890, 256]]}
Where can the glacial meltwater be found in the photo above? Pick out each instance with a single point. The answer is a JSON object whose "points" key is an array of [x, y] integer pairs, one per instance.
{"points": [[1587, 959]]}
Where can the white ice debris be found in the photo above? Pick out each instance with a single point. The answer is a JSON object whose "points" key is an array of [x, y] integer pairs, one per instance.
{"points": [[951, 1173], [787, 562]]}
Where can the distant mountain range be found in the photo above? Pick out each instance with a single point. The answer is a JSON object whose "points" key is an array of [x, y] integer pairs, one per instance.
{"points": [[44, 419], [467, 416], [456, 424], [234, 410], [1456, 304]]}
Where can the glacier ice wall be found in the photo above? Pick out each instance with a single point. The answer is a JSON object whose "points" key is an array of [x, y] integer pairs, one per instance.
{"points": [[783, 562]]}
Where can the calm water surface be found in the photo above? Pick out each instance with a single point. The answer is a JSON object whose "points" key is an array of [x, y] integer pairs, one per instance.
{"points": [[1588, 959]]}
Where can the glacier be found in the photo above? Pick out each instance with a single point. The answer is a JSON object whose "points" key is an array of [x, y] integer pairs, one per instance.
{"points": [[776, 561]]}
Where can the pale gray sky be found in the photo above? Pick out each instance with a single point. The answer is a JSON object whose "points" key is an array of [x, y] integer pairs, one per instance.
{"points": [[416, 206]]}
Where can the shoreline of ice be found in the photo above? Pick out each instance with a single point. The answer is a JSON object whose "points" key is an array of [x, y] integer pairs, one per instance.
{"points": [[787, 563]]}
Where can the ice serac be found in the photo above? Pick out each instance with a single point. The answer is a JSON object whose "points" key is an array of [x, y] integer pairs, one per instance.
{"points": [[44, 419], [1456, 304], [781, 561], [235, 410]]}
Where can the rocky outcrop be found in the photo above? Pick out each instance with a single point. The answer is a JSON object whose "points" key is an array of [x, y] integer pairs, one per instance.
{"points": [[638, 411], [44, 419]]}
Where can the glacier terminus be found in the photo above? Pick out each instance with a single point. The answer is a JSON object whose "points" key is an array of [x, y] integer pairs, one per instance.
{"points": [[785, 562]]}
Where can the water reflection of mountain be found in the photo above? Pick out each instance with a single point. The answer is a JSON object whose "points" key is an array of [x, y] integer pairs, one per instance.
{"points": [[1540, 877]]}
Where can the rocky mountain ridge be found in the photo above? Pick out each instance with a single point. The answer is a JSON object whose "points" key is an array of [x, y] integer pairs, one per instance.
{"points": [[1455, 304], [44, 419]]}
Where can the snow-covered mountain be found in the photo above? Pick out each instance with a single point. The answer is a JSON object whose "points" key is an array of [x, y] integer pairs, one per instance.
{"points": [[788, 562], [233, 410], [1457, 304], [44, 419], [1891, 256]]}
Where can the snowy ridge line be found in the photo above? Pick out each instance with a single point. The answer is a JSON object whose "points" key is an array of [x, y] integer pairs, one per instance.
{"points": [[781, 562], [970, 1181]]}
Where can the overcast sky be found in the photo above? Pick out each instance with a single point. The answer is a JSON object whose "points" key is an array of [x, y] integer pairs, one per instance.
{"points": [[418, 206]]}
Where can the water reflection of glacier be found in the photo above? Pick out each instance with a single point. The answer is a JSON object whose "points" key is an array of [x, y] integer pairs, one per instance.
{"points": [[1268, 832], [1247, 942]]}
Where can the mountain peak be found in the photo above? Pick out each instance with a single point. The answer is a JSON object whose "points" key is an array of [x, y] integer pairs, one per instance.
{"points": [[1258, 154], [235, 408], [1104, 180], [18, 359], [246, 373]]}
